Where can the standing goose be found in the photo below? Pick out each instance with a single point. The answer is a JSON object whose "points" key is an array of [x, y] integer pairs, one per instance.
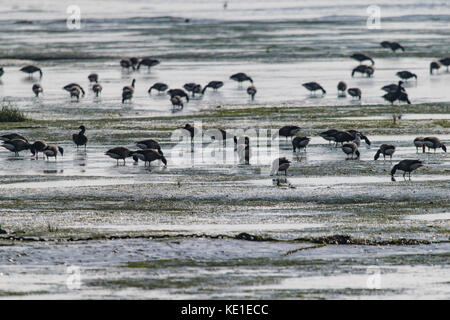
{"points": [[363, 69], [37, 88], [329, 135], [419, 143], [52, 151], [93, 77], [433, 143], [391, 87], [75, 92], [148, 155], [394, 46], [434, 66], [119, 153], [80, 138], [300, 143], [177, 102], [350, 148], [16, 145], [288, 131], [251, 91], [72, 85], [128, 91], [38, 146], [241, 77], [11, 136], [127, 64], [445, 62], [407, 166], [148, 62], [149, 144], [178, 92], [213, 84], [159, 86], [97, 88], [385, 150], [362, 57], [355, 92], [30, 69], [342, 87], [393, 96], [313, 87], [280, 164], [405, 75]]}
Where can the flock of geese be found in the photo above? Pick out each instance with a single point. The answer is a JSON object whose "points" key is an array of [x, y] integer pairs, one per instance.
{"points": [[150, 149]]}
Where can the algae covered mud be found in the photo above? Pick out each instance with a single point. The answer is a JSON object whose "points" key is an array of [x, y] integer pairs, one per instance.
{"points": [[206, 225]]}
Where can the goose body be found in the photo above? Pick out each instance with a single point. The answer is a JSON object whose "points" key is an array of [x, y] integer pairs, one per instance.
{"points": [[193, 88], [72, 86], [241, 77], [434, 66], [300, 143], [16, 145], [342, 87], [280, 164], [177, 102], [127, 64], [405, 75], [97, 88], [251, 91], [407, 166], [52, 151], [419, 143], [148, 155], [329, 135], [148, 62], [313, 87], [362, 57], [351, 148], [433, 143], [385, 150], [394, 46], [38, 146], [37, 88], [445, 62], [149, 144], [288, 131], [80, 138], [159, 86], [30, 69], [213, 84], [93, 77], [119, 153], [128, 91], [393, 96], [355, 92], [75, 92], [363, 69], [391, 87], [11, 136], [178, 92]]}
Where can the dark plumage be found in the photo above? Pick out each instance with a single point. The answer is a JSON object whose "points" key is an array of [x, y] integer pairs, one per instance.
{"points": [[37, 88], [351, 148], [149, 144], [30, 69], [97, 88], [363, 69], [128, 91], [80, 138], [280, 164], [119, 153], [213, 84], [241, 77], [405, 75], [288, 131], [394, 46], [329, 135], [38, 146], [342, 86], [419, 143], [313, 87], [178, 92], [391, 87], [393, 96], [193, 88], [385, 150], [355, 92], [251, 91], [16, 145], [93, 77], [433, 143], [407, 166], [148, 155], [11, 136], [434, 66], [1, 71], [52, 151], [72, 86], [75, 92], [127, 64], [159, 86], [148, 62], [300, 143], [362, 57], [177, 102], [445, 62]]}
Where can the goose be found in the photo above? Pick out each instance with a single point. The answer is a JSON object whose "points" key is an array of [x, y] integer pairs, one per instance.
{"points": [[148, 62], [127, 91], [213, 84], [80, 138], [11, 136], [407, 166], [405, 75], [355, 92], [350, 148], [434, 66], [149, 144], [288, 131], [119, 153], [1, 71], [38, 146], [193, 88], [75, 92], [433, 143], [126, 64], [392, 96], [363, 69], [37, 88], [419, 143], [134, 61], [300, 143], [404, 97], [72, 85], [280, 164], [30, 69], [130, 88], [148, 155], [313, 87], [342, 86], [93, 77], [394, 46], [445, 62], [16, 145], [52, 151], [361, 135], [362, 57], [177, 102], [241, 77], [178, 92], [159, 86], [391, 87], [251, 91], [385, 150], [329, 135], [97, 88]]}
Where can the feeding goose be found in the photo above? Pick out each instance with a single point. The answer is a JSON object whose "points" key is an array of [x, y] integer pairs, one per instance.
{"points": [[37, 88], [313, 87], [30, 69], [52, 151], [38, 146], [159, 86], [241, 77], [407, 166], [16, 145], [362, 57], [178, 92], [213, 84], [363, 69], [433, 143], [148, 155], [385, 150], [300, 143], [280, 164], [119, 153], [251, 91], [288, 131]]}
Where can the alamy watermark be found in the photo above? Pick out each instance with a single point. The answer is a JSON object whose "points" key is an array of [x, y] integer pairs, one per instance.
{"points": [[374, 18], [73, 21]]}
